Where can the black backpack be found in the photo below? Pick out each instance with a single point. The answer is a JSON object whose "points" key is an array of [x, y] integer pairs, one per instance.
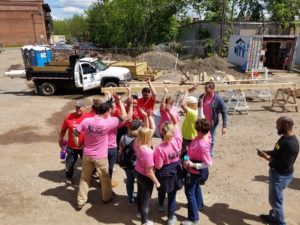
{"points": [[127, 156]]}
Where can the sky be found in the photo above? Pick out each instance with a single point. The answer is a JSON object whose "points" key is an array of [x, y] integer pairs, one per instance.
{"points": [[61, 9]]}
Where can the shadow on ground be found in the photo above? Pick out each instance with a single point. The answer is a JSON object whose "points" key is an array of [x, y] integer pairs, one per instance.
{"points": [[222, 214], [295, 184]]}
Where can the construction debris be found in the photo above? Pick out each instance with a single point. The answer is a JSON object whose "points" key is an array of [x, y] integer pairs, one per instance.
{"points": [[139, 70]]}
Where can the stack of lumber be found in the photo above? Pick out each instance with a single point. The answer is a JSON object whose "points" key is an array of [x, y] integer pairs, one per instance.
{"points": [[139, 70]]}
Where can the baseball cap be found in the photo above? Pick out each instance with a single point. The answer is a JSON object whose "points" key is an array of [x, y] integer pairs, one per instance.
{"points": [[79, 104], [191, 100]]}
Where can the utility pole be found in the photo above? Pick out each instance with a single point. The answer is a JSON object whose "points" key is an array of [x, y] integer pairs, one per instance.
{"points": [[223, 15]]}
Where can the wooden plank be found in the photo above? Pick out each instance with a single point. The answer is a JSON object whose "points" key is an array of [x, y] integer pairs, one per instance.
{"points": [[219, 87]]}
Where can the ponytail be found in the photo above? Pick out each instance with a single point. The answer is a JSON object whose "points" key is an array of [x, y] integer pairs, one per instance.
{"points": [[167, 129]]}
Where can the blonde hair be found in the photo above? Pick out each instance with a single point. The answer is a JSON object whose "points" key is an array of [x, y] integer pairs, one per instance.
{"points": [[169, 100], [167, 130], [144, 136]]}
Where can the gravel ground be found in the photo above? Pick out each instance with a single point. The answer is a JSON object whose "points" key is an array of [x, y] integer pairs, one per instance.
{"points": [[33, 189]]}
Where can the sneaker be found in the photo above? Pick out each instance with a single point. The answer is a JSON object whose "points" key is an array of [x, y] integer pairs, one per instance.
{"points": [[138, 215], [79, 207], [188, 222], [172, 221], [131, 203], [114, 183], [69, 181], [149, 222], [266, 219], [160, 208]]}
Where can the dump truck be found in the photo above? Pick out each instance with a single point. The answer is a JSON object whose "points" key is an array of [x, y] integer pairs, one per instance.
{"points": [[78, 72]]}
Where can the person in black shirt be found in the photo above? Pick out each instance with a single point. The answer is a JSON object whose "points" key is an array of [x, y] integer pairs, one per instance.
{"points": [[281, 163]]}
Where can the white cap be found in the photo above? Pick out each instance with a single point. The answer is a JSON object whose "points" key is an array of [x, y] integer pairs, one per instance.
{"points": [[191, 100]]}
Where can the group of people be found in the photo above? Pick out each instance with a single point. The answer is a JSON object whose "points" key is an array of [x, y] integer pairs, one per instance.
{"points": [[115, 130]]}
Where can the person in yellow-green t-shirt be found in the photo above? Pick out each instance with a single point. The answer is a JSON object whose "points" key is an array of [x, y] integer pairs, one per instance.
{"points": [[189, 105]]}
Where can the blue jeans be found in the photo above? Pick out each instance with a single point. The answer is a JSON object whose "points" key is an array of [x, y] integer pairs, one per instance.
{"points": [[130, 185], [194, 196], [171, 202], [112, 157], [72, 156], [213, 133], [277, 183]]}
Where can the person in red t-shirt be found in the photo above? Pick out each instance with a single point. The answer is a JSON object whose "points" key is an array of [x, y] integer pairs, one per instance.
{"points": [[70, 123], [148, 99], [96, 103]]}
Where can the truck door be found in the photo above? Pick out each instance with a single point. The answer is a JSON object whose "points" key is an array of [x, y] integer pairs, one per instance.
{"points": [[89, 76]]}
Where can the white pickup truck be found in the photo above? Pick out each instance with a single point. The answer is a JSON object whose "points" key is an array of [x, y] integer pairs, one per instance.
{"points": [[84, 73]]}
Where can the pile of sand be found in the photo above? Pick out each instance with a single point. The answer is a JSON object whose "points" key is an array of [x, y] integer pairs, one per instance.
{"points": [[159, 60], [211, 66]]}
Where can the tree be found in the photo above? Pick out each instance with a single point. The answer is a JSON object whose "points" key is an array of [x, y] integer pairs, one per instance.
{"points": [[284, 12], [74, 27], [135, 22]]}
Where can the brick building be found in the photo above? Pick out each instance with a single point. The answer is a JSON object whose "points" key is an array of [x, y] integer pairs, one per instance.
{"points": [[24, 22]]}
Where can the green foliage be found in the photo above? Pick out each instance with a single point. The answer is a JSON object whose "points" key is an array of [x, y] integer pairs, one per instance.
{"points": [[138, 22], [202, 34], [250, 10], [74, 27], [283, 12], [209, 44], [187, 20]]}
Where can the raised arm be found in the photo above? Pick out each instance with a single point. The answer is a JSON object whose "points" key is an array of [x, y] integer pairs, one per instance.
{"points": [[173, 118], [183, 101], [130, 109], [163, 100], [153, 92], [151, 121], [129, 93], [186, 93], [146, 119], [121, 105]]}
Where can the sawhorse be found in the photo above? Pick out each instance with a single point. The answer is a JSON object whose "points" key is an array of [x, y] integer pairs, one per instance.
{"points": [[288, 99]]}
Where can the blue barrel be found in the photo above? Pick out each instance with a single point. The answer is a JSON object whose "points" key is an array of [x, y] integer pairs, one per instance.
{"points": [[40, 57]]}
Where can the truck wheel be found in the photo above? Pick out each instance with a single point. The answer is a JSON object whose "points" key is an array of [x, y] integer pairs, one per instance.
{"points": [[111, 84], [47, 89]]}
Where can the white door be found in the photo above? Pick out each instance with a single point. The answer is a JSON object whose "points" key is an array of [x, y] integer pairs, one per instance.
{"points": [[90, 76]]}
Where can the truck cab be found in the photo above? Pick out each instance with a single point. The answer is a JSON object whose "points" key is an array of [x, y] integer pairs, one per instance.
{"points": [[90, 73]]}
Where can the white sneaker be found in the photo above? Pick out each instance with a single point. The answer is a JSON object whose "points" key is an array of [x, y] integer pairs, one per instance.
{"points": [[172, 221], [149, 222], [188, 222]]}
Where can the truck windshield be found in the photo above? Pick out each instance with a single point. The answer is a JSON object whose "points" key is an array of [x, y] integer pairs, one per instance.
{"points": [[100, 65]]}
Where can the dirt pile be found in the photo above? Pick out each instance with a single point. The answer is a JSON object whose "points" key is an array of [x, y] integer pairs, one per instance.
{"points": [[159, 60], [210, 65]]}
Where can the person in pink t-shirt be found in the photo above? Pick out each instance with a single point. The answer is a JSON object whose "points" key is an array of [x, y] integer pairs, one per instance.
{"points": [[144, 167], [167, 163], [168, 112], [96, 130], [197, 164], [212, 105]]}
